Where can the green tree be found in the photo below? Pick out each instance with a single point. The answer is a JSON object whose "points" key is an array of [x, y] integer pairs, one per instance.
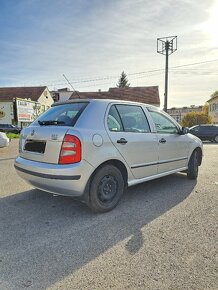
{"points": [[195, 118], [123, 81]]}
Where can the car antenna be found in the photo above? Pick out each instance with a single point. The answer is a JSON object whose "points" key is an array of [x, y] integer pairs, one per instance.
{"points": [[71, 86]]}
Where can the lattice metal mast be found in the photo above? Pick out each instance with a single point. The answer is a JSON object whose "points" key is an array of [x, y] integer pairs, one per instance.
{"points": [[166, 46]]}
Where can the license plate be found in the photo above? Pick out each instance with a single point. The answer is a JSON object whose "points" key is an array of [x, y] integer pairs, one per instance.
{"points": [[35, 146]]}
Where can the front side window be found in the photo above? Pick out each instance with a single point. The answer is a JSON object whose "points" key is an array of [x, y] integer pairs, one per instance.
{"points": [[163, 124], [127, 118], [203, 129]]}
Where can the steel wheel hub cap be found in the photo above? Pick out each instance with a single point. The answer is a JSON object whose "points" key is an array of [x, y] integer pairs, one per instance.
{"points": [[107, 188]]}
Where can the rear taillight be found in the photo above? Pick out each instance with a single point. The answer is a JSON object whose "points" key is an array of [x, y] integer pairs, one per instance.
{"points": [[70, 150]]}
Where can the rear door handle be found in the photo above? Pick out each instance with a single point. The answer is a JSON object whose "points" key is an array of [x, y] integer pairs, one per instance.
{"points": [[162, 140], [122, 141]]}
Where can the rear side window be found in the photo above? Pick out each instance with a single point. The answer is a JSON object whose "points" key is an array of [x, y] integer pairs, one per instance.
{"points": [[113, 120], [62, 115], [127, 118]]}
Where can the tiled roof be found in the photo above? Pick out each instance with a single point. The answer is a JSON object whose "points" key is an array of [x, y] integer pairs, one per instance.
{"points": [[148, 95], [33, 93]]}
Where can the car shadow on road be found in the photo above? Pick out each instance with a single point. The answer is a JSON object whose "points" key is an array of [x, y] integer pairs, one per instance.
{"points": [[6, 159], [45, 238]]}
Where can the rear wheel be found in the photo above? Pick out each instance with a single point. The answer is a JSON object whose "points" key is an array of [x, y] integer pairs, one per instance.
{"points": [[192, 172], [106, 188], [216, 138]]}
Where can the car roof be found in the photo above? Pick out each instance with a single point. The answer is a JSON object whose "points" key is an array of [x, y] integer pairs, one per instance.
{"points": [[3, 134], [98, 100], [208, 125]]}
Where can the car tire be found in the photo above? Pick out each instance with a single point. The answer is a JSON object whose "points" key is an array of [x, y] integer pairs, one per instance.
{"points": [[192, 172], [216, 139], [106, 189]]}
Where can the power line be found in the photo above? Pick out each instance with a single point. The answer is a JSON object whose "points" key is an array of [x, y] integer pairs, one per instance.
{"points": [[78, 81], [71, 85], [109, 83]]}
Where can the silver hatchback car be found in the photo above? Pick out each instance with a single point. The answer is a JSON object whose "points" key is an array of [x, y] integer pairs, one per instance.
{"points": [[94, 149]]}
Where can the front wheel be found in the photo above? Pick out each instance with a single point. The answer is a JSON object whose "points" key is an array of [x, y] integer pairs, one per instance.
{"points": [[192, 172], [216, 139], [106, 188]]}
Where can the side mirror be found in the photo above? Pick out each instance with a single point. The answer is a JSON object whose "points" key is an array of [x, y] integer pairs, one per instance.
{"points": [[185, 130]]}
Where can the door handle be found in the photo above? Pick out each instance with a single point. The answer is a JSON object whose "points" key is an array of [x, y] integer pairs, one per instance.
{"points": [[122, 141], [162, 140]]}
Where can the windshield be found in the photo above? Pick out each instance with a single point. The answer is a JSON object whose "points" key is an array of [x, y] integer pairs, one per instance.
{"points": [[193, 127], [61, 115]]}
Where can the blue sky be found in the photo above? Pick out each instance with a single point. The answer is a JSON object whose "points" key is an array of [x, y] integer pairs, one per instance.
{"points": [[93, 41]]}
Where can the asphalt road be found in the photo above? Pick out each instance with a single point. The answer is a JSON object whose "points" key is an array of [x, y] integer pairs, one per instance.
{"points": [[163, 235]]}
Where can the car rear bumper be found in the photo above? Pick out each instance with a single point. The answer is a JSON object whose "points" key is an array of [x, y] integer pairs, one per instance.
{"points": [[70, 179]]}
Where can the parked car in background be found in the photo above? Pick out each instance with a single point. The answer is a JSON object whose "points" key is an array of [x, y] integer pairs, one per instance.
{"points": [[8, 128], [205, 132], [94, 149], [4, 141]]}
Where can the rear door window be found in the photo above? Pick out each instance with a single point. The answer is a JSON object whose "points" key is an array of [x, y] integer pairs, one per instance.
{"points": [[127, 118]]}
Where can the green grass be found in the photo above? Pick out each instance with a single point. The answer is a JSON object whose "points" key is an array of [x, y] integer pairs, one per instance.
{"points": [[13, 136]]}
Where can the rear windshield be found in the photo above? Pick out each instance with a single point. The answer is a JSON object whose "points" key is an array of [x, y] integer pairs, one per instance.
{"points": [[61, 115]]}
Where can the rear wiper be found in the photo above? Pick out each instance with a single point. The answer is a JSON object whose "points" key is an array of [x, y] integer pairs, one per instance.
{"points": [[51, 122]]}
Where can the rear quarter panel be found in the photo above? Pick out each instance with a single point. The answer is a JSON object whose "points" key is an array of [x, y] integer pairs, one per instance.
{"points": [[97, 147]]}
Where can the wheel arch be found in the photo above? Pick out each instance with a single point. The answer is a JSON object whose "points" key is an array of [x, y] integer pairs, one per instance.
{"points": [[215, 138], [117, 163], [200, 155]]}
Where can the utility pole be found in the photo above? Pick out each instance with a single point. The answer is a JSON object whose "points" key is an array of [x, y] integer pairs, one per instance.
{"points": [[166, 46]]}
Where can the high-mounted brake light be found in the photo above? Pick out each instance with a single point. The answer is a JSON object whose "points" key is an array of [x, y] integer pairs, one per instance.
{"points": [[70, 150]]}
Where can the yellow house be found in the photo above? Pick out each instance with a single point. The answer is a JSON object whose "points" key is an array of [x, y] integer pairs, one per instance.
{"points": [[213, 108]]}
